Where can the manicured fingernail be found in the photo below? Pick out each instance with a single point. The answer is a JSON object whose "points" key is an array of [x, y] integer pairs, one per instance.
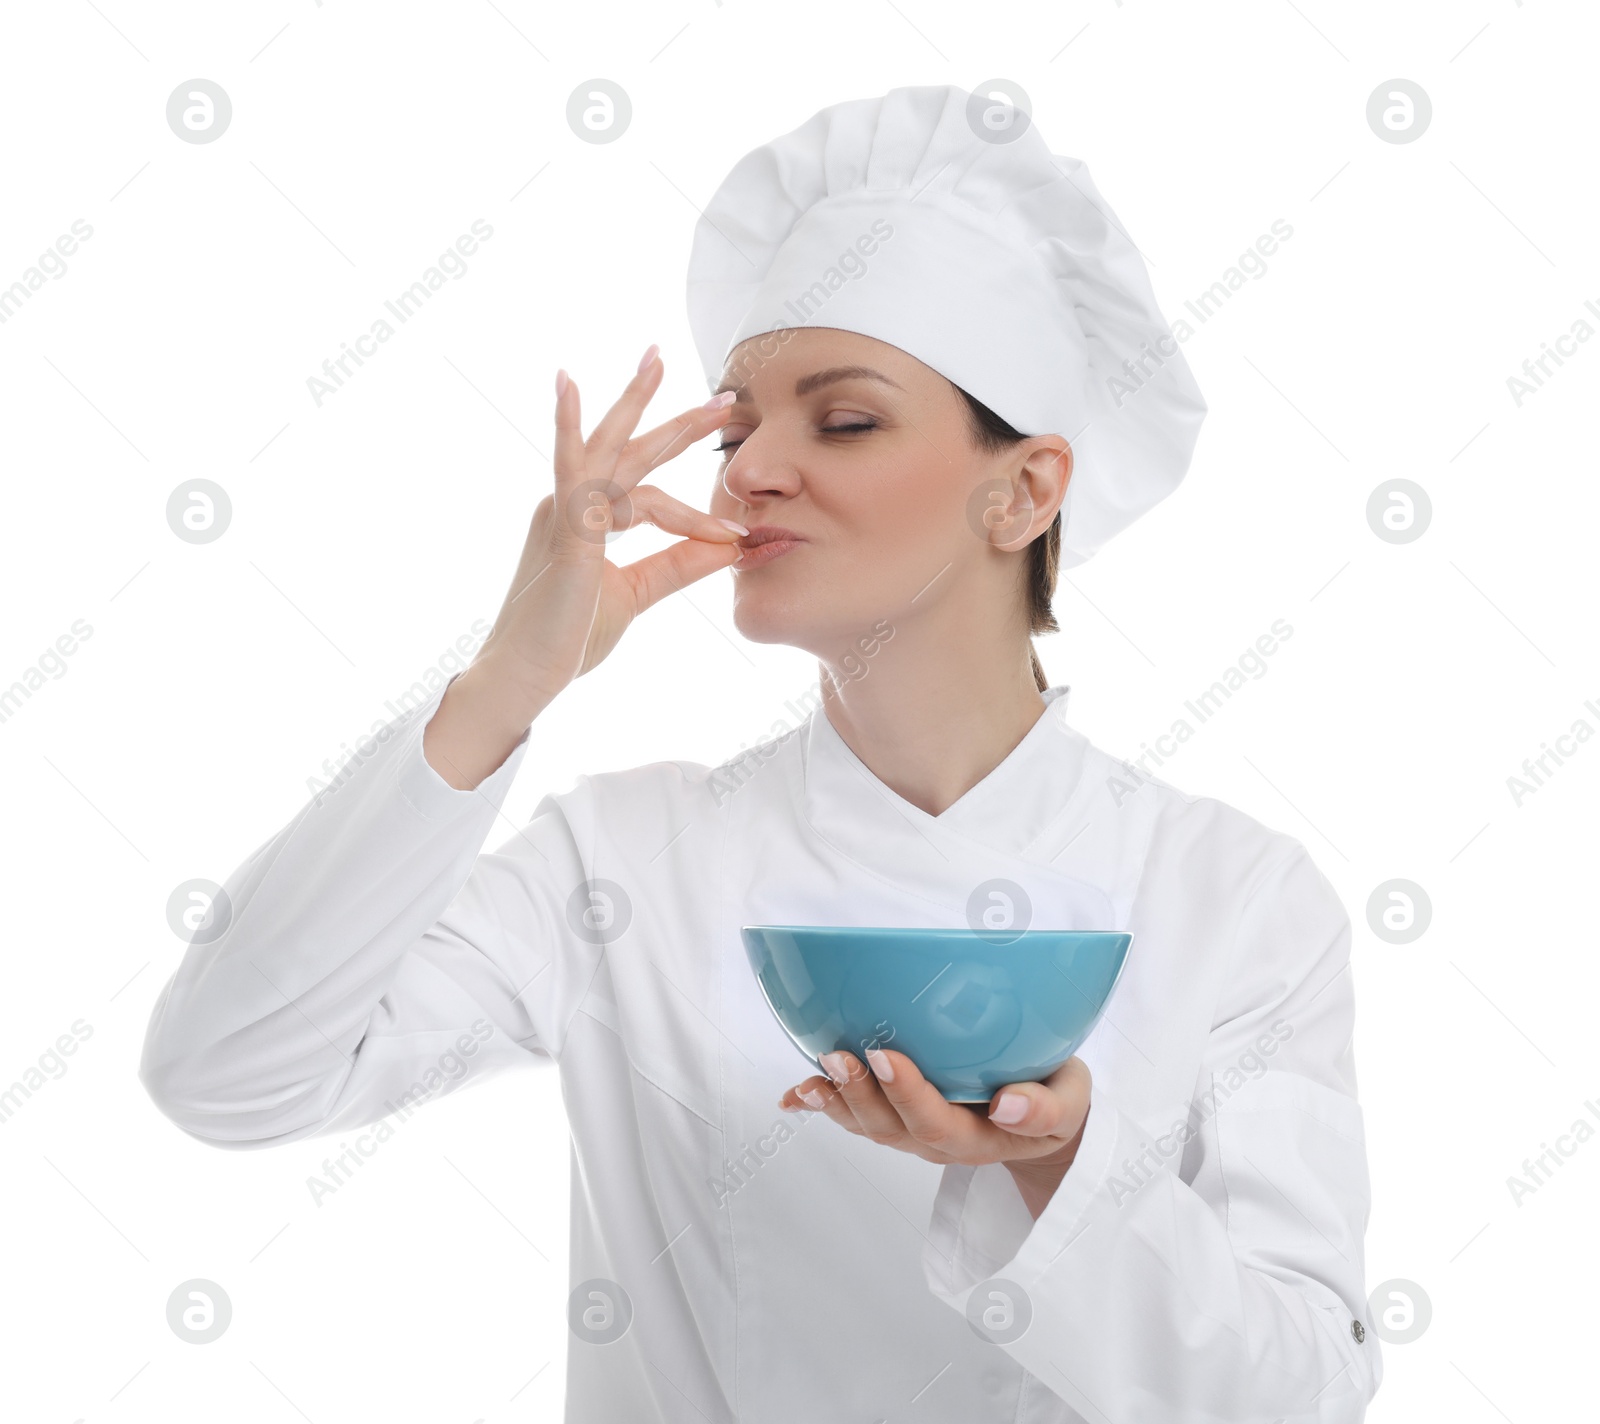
{"points": [[812, 1098], [721, 399], [561, 384], [1012, 1107], [648, 357], [834, 1063], [880, 1064], [737, 528]]}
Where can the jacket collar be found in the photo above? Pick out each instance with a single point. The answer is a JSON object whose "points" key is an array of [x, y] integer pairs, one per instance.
{"points": [[1029, 821], [1007, 809]]}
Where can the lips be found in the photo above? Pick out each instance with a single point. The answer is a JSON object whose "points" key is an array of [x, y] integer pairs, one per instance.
{"points": [[765, 543], [767, 534]]}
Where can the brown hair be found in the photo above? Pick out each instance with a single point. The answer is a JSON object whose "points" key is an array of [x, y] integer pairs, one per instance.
{"points": [[994, 435]]}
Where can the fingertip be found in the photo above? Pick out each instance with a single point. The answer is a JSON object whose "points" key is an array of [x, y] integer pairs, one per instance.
{"points": [[904, 1069], [1011, 1108]]}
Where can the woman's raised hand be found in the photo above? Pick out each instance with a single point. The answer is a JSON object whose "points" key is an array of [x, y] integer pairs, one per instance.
{"points": [[568, 604]]}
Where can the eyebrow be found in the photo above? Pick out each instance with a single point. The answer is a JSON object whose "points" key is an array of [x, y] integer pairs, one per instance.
{"points": [[827, 377]]}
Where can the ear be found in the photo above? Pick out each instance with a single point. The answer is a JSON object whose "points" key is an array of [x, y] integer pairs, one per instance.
{"points": [[1039, 485]]}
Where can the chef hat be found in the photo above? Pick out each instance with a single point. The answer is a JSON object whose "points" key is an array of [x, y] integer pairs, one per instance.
{"points": [[977, 251]]}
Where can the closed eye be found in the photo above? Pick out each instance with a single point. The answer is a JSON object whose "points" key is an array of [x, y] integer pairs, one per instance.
{"points": [[854, 428]]}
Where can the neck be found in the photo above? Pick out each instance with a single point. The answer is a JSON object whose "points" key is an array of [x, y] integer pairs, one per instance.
{"points": [[931, 722]]}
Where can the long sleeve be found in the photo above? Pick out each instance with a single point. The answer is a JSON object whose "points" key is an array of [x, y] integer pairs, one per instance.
{"points": [[371, 957], [1211, 1269]]}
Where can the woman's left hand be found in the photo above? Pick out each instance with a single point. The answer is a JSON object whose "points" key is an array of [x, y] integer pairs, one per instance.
{"points": [[897, 1106]]}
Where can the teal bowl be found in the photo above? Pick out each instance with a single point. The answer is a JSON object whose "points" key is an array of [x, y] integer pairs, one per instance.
{"points": [[973, 1011]]}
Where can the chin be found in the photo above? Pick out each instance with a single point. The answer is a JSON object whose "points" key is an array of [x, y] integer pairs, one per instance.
{"points": [[762, 617], [794, 618]]}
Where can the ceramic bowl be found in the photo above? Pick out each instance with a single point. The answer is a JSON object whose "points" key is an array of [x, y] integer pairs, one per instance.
{"points": [[974, 1011]]}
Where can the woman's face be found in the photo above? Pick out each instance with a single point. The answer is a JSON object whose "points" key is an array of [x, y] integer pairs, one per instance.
{"points": [[867, 456]]}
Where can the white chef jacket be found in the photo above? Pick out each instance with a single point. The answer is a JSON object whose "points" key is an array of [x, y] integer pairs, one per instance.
{"points": [[1200, 1262]]}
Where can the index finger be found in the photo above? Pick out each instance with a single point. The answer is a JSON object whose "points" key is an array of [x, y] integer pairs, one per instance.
{"points": [[670, 439]]}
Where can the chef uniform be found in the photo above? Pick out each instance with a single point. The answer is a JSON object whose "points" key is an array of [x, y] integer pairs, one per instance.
{"points": [[1200, 1261]]}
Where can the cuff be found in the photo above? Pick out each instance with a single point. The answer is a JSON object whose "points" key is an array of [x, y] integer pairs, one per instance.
{"points": [[429, 794], [980, 1225]]}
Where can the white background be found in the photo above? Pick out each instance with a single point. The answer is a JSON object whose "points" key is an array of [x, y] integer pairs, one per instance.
{"points": [[369, 534]]}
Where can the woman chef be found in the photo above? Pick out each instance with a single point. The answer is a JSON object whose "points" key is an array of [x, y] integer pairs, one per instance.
{"points": [[942, 375]]}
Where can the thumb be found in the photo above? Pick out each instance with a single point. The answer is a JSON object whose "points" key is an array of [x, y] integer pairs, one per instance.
{"points": [[1053, 1108], [676, 567]]}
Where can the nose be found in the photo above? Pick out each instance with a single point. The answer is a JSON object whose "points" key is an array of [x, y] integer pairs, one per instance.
{"points": [[759, 471]]}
